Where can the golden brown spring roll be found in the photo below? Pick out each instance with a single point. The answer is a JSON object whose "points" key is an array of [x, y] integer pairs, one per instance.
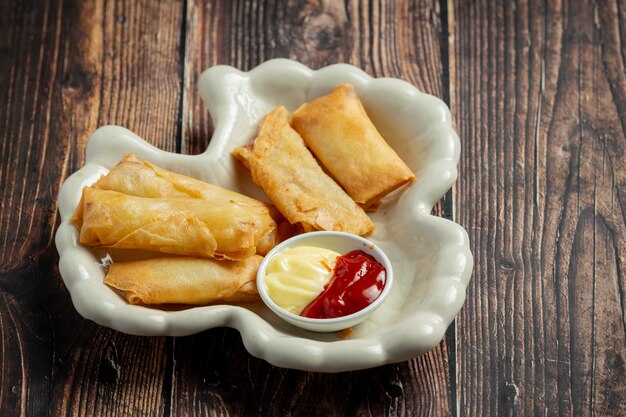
{"points": [[182, 226], [341, 135], [184, 280], [283, 167], [140, 178]]}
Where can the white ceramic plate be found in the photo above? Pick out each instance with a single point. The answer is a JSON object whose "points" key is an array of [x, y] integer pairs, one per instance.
{"points": [[431, 257]]}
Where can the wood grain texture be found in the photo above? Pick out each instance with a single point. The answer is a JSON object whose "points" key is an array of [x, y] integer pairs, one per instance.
{"points": [[66, 69], [74, 66], [537, 91], [538, 95]]}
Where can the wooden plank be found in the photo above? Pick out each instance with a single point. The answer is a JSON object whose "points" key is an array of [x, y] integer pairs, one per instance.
{"points": [[142, 69], [138, 73], [31, 40], [66, 69], [213, 374], [537, 91]]}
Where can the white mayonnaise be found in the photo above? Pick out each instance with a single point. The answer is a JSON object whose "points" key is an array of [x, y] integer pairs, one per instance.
{"points": [[296, 276]]}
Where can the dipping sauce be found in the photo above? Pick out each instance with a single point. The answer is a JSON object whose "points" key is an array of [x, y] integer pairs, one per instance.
{"points": [[297, 275], [357, 281]]}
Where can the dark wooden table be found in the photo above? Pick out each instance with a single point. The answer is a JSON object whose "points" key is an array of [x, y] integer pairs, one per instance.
{"points": [[538, 96]]}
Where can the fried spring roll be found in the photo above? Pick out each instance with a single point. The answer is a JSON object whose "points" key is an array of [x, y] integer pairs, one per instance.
{"points": [[181, 226], [284, 168], [140, 178], [341, 135], [194, 281]]}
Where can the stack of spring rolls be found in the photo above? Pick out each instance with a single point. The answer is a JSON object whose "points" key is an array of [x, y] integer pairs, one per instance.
{"points": [[214, 239], [217, 235], [362, 168]]}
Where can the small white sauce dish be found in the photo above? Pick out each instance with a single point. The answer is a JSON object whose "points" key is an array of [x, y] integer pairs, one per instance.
{"points": [[339, 242]]}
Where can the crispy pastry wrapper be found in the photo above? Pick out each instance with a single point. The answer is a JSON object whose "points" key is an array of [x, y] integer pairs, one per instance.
{"points": [[181, 226], [140, 178], [341, 135], [182, 280], [284, 168]]}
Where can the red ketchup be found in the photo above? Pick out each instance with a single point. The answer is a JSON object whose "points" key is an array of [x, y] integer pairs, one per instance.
{"points": [[357, 281]]}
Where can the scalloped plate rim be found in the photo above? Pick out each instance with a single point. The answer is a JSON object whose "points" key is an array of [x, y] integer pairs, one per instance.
{"points": [[258, 335]]}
